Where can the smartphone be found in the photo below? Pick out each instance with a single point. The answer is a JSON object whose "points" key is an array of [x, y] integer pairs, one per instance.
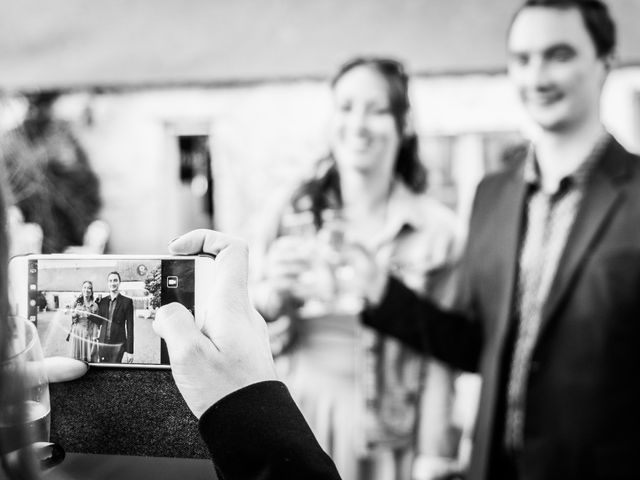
{"points": [[100, 308]]}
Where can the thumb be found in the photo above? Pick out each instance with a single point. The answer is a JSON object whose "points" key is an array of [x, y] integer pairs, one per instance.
{"points": [[177, 327]]}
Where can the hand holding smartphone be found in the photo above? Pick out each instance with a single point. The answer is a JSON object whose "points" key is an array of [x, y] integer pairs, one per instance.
{"points": [[231, 349], [100, 309]]}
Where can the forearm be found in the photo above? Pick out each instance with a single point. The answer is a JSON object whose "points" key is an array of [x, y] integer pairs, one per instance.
{"points": [[258, 432], [421, 324]]}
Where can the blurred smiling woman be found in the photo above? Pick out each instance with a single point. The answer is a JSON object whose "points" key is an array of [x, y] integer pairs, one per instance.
{"points": [[373, 404]]}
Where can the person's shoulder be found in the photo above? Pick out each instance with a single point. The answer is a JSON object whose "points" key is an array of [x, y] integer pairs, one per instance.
{"points": [[436, 220], [508, 172], [491, 187], [635, 167], [437, 212], [622, 167], [431, 211], [623, 158], [436, 227], [512, 162]]}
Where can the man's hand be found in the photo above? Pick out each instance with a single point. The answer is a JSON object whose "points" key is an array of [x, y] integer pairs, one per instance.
{"points": [[127, 357], [232, 349]]}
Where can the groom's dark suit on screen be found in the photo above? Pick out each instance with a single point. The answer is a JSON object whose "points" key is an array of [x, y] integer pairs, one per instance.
{"points": [[118, 330]]}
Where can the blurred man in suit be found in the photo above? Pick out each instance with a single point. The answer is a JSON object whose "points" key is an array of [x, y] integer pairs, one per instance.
{"points": [[549, 303]]}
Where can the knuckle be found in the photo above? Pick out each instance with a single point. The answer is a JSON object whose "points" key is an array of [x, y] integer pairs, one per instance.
{"points": [[187, 351]]}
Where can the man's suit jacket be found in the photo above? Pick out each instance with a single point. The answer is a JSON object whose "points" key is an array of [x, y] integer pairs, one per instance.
{"points": [[583, 392], [258, 433], [121, 326]]}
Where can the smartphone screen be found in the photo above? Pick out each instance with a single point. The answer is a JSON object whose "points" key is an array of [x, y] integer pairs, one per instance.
{"points": [[101, 309]]}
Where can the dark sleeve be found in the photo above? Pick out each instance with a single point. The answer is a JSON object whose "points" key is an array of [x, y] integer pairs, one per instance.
{"points": [[455, 336], [258, 432], [128, 317], [418, 322]]}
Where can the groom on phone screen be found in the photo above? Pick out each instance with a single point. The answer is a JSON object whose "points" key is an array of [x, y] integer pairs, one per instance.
{"points": [[116, 333]]}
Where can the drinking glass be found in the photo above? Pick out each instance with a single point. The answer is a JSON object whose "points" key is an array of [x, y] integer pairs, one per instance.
{"points": [[314, 285], [24, 398], [347, 261]]}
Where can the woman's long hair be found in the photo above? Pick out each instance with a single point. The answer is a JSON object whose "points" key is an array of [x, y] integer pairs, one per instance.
{"points": [[322, 191]]}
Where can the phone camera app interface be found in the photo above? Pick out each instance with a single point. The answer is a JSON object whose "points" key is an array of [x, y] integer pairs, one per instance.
{"points": [[102, 310]]}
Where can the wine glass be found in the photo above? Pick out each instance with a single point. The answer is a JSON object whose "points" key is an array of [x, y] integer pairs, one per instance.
{"points": [[314, 285], [348, 262], [24, 399]]}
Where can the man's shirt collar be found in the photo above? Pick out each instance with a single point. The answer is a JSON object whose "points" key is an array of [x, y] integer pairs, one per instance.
{"points": [[579, 177]]}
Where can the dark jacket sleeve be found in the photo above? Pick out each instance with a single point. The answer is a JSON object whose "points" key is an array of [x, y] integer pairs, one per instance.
{"points": [[128, 319], [451, 336], [456, 336], [258, 432]]}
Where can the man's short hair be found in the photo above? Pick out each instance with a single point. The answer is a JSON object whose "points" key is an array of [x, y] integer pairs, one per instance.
{"points": [[596, 17], [115, 273]]}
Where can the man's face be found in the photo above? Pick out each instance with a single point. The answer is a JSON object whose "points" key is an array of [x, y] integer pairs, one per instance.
{"points": [[113, 282], [554, 65]]}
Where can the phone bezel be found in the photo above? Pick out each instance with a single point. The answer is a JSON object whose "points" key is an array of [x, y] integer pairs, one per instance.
{"points": [[19, 289]]}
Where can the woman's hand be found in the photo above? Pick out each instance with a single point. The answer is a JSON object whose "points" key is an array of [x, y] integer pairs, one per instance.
{"points": [[232, 349], [289, 259]]}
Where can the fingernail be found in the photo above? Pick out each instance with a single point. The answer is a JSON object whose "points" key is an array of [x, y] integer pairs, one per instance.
{"points": [[170, 242]]}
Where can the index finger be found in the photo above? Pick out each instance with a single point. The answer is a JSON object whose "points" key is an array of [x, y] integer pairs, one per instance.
{"points": [[202, 241], [229, 286], [231, 253]]}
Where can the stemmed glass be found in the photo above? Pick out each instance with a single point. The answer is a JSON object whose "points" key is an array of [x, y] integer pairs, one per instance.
{"points": [[334, 282], [315, 283], [24, 399]]}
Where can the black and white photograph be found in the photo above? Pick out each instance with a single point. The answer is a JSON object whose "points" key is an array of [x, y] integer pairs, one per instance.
{"points": [[413, 228], [98, 310]]}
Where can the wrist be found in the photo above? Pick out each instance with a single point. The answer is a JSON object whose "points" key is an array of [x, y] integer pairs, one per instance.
{"points": [[374, 293]]}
